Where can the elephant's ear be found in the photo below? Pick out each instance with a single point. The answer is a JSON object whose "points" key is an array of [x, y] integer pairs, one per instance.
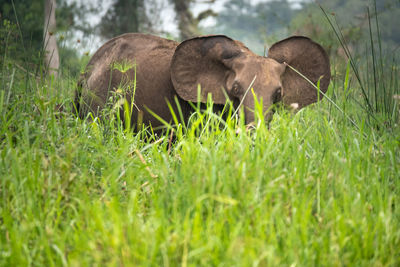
{"points": [[203, 60], [310, 59]]}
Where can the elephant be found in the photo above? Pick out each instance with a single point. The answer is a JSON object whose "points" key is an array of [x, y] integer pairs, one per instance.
{"points": [[164, 74]]}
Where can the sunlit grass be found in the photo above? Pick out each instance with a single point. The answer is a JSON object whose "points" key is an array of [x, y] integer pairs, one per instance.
{"points": [[320, 187], [307, 189]]}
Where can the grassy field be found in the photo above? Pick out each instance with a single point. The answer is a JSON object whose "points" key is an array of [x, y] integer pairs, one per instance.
{"points": [[321, 187], [313, 189]]}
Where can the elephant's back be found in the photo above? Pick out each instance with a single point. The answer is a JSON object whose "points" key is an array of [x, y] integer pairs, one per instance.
{"points": [[128, 45], [132, 52]]}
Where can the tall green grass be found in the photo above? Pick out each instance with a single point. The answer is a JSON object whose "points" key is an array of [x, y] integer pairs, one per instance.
{"points": [[376, 73], [305, 189], [309, 189]]}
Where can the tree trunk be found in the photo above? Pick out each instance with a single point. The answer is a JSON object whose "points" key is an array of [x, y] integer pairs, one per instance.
{"points": [[122, 17], [186, 23], [52, 60]]}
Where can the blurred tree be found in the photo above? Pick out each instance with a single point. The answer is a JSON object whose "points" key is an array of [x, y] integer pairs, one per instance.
{"points": [[188, 24], [124, 16], [255, 25], [24, 39], [351, 16], [155, 21], [275, 17], [388, 12], [238, 20], [50, 47], [21, 34]]}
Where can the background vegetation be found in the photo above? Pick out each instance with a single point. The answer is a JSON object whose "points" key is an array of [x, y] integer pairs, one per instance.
{"points": [[317, 188]]}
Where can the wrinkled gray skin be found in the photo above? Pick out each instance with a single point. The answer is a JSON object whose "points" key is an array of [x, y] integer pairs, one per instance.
{"points": [[223, 67]]}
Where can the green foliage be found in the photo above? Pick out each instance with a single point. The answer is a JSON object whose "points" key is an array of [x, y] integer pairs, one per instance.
{"points": [[388, 13], [8, 33], [268, 21], [70, 61], [376, 73], [352, 20], [23, 22], [21, 33]]}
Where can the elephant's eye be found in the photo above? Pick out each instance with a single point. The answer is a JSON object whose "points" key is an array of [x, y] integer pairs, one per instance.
{"points": [[236, 89], [277, 96]]}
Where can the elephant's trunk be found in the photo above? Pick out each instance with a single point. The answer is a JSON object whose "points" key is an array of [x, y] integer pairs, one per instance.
{"points": [[250, 109]]}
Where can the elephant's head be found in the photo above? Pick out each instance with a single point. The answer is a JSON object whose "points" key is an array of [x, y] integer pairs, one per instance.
{"points": [[226, 68]]}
